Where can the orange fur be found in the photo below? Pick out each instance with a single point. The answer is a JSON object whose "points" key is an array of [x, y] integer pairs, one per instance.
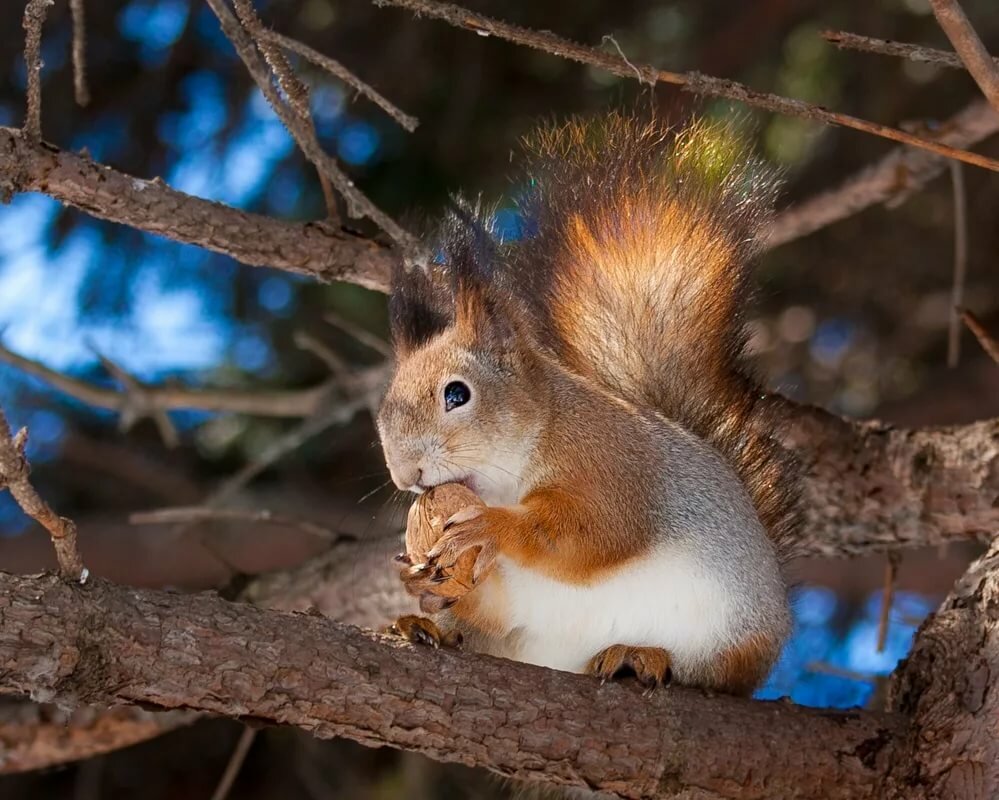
{"points": [[741, 668]]}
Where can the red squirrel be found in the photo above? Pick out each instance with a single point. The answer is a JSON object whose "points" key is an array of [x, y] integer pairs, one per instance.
{"points": [[586, 381]]}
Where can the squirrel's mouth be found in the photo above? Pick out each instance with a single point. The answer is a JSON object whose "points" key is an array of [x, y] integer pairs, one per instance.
{"points": [[466, 481]]}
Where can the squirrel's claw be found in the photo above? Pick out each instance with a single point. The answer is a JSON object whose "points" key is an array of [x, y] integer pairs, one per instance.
{"points": [[420, 630], [649, 665]]}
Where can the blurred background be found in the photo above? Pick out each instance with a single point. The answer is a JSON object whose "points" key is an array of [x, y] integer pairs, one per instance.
{"points": [[852, 318]]}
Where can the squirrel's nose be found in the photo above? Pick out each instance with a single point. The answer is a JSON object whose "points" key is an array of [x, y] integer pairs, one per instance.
{"points": [[407, 478]]}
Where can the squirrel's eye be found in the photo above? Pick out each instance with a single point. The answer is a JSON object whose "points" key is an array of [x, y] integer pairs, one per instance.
{"points": [[456, 394]]}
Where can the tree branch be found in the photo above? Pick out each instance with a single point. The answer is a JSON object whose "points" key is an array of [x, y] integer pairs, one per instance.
{"points": [[14, 476], [149, 400], [690, 81], [200, 652], [886, 47], [891, 180], [312, 249], [976, 58], [35, 13], [298, 121], [947, 686], [338, 70], [871, 487]]}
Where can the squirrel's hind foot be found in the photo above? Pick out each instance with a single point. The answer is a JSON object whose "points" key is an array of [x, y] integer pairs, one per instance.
{"points": [[650, 665], [421, 630]]}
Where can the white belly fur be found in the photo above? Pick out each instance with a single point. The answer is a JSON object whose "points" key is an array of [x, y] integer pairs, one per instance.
{"points": [[665, 600]]}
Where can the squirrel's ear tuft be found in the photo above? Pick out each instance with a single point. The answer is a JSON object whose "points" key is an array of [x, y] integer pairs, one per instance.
{"points": [[419, 307]]}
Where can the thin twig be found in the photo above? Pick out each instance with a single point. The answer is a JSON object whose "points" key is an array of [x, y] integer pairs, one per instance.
{"points": [[358, 203], [34, 18], [886, 47], [14, 476], [80, 89], [136, 405], [890, 180], [690, 81], [189, 514], [235, 763], [149, 400], [336, 365], [976, 58], [960, 263], [361, 391], [339, 71], [358, 333], [887, 598], [988, 342], [825, 668]]}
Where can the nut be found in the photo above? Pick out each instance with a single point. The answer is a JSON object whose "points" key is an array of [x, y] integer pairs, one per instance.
{"points": [[425, 526]]}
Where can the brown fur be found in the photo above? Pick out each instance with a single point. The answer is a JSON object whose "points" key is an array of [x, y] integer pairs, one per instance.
{"points": [[740, 669]]}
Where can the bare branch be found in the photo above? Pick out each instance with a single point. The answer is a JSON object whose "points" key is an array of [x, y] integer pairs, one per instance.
{"points": [[690, 81], [886, 47], [976, 58], [170, 651], [14, 476], [172, 516], [891, 180], [988, 342], [340, 72], [235, 763], [80, 90], [34, 18], [138, 400], [363, 336], [960, 263], [358, 203], [311, 249]]}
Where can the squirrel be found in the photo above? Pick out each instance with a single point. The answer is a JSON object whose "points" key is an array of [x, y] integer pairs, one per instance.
{"points": [[586, 381]]}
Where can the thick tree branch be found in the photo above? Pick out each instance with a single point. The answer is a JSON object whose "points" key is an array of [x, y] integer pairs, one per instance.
{"points": [[312, 249], [947, 686], [36, 736], [871, 487], [976, 58], [690, 81], [200, 652]]}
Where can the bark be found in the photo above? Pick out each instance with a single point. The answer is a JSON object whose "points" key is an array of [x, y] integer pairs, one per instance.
{"points": [[870, 486], [947, 687], [314, 249], [352, 582], [102, 643], [34, 736]]}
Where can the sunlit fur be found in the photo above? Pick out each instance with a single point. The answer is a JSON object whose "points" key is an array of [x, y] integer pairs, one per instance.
{"points": [[611, 429]]}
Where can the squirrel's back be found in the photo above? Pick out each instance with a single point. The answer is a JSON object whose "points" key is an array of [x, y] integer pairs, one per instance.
{"points": [[635, 262]]}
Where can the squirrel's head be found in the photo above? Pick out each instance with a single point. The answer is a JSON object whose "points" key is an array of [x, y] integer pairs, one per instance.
{"points": [[462, 405]]}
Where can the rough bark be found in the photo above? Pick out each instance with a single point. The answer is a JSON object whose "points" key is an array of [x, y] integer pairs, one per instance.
{"points": [[34, 736], [106, 644], [870, 486], [948, 688], [314, 249]]}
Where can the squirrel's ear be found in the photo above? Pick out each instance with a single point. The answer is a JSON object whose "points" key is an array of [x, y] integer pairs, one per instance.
{"points": [[419, 307], [483, 318]]}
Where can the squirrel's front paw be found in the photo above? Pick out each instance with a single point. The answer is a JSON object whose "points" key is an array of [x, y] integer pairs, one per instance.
{"points": [[469, 528], [650, 665]]}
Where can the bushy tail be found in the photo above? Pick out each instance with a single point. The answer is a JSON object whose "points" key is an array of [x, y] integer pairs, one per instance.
{"points": [[636, 259]]}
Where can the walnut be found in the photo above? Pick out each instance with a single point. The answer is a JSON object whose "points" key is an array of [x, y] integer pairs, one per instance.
{"points": [[426, 525]]}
